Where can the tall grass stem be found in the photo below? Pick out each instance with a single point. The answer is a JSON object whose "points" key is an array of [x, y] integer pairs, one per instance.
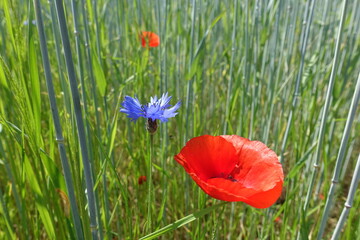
{"points": [[231, 72], [57, 125], [325, 111], [79, 120], [297, 93], [340, 157], [349, 201]]}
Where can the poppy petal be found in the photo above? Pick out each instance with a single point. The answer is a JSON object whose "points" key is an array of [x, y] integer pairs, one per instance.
{"points": [[149, 39], [236, 169], [207, 156]]}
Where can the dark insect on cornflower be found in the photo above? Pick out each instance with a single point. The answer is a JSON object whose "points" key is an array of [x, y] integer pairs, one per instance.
{"points": [[157, 109]]}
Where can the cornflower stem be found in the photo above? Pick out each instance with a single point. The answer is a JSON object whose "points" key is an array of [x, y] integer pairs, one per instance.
{"points": [[340, 156], [55, 115], [149, 181], [79, 119], [349, 201]]}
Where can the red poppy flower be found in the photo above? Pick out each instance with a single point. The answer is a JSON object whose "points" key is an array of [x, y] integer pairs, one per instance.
{"points": [[277, 219], [149, 39], [141, 180], [233, 168]]}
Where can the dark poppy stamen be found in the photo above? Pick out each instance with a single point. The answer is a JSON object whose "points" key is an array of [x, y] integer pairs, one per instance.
{"points": [[231, 178]]}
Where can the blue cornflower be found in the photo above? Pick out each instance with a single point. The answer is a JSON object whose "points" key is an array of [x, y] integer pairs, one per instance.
{"points": [[156, 109]]}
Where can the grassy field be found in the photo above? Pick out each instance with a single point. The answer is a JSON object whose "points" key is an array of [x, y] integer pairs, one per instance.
{"points": [[284, 72]]}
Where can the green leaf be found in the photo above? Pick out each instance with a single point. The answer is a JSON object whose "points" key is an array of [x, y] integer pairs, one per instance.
{"points": [[40, 202], [182, 222], [3, 80], [99, 74], [299, 164]]}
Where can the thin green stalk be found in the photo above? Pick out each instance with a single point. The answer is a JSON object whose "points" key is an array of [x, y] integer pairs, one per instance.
{"points": [[321, 34], [79, 120], [97, 116], [298, 79], [231, 72], [347, 159], [229, 89], [60, 61], [349, 201], [255, 93], [181, 222], [162, 18], [84, 94], [57, 125], [325, 110], [90, 67], [272, 78], [254, 40], [81, 75], [80, 65], [340, 157], [97, 29], [149, 181], [291, 35], [189, 93]]}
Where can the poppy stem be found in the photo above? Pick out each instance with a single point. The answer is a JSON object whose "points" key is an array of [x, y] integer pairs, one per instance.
{"points": [[150, 190]]}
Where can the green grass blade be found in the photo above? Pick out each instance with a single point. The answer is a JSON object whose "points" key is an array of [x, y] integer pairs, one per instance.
{"points": [[181, 222]]}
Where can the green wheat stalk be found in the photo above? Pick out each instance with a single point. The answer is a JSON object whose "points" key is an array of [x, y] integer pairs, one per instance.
{"points": [[57, 125], [79, 120], [340, 157], [325, 110], [349, 201]]}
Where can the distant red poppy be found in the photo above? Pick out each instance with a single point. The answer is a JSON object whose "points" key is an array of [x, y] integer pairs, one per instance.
{"points": [[149, 39], [233, 168], [141, 180]]}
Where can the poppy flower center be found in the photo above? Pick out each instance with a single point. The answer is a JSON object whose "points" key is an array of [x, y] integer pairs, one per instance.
{"points": [[231, 178], [232, 175]]}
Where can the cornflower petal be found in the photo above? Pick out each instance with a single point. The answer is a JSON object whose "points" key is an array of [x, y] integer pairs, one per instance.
{"points": [[133, 108], [153, 100], [164, 101], [171, 112]]}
